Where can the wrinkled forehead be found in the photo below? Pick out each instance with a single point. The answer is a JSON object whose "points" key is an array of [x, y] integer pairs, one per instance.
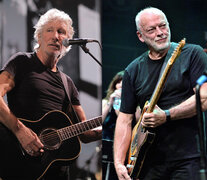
{"points": [[57, 23], [148, 19]]}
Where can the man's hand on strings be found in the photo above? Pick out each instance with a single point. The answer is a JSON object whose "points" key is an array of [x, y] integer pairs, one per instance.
{"points": [[154, 119], [29, 141]]}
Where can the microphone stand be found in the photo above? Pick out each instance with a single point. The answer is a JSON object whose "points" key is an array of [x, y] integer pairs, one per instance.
{"points": [[201, 135], [86, 50]]}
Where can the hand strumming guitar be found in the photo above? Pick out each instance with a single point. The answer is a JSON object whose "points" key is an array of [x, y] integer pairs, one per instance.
{"points": [[29, 140]]}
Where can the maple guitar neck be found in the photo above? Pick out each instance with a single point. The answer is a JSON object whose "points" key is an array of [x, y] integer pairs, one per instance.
{"points": [[162, 80]]}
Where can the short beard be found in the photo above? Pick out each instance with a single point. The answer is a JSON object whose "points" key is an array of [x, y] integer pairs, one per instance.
{"points": [[163, 47], [158, 48]]}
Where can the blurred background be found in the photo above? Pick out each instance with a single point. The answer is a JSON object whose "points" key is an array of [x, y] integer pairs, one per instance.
{"points": [[187, 18], [17, 18]]}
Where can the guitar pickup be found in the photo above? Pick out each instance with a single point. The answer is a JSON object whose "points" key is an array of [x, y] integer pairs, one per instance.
{"points": [[133, 158], [130, 166]]}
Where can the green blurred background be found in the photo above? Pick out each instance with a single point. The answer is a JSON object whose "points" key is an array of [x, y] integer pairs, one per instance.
{"points": [[187, 18]]}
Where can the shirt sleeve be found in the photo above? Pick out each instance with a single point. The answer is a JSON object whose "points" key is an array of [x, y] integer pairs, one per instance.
{"points": [[11, 65], [74, 94], [198, 64]]}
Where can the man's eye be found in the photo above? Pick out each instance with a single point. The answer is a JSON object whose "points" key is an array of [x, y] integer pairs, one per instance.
{"points": [[61, 32], [150, 31], [163, 25]]}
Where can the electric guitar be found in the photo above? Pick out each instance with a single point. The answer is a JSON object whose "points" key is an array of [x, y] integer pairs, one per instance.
{"points": [[60, 139], [142, 138]]}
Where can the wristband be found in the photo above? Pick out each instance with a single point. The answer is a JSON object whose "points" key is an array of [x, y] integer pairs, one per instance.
{"points": [[167, 113]]}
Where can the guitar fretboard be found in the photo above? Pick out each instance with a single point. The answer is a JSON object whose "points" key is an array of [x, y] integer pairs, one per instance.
{"points": [[79, 128]]}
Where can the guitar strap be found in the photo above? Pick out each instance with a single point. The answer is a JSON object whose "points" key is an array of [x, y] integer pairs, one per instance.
{"points": [[169, 53], [70, 110]]}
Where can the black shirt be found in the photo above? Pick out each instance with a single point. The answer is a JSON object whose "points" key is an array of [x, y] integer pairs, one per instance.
{"points": [[37, 89], [177, 139]]}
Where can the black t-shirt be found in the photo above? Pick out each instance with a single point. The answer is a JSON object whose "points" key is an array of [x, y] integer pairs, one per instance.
{"points": [[37, 90], [177, 139]]}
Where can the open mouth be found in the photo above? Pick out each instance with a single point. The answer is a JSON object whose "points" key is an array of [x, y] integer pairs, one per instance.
{"points": [[56, 46]]}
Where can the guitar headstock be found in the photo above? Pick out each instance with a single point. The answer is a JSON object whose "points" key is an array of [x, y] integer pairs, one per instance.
{"points": [[177, 51]]}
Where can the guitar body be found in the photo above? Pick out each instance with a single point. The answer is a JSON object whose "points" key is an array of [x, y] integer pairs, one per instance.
{"points": [[56, 151], [141, 140]]}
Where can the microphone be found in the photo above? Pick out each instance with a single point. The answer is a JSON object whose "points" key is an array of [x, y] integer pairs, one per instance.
{"points": [[202, 79], [68, 42]]}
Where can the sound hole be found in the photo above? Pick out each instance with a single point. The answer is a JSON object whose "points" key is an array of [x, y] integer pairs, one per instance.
{"points": [[50, 138]]}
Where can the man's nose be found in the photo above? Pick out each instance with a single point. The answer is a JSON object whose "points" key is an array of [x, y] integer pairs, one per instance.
{"points": [[159, 31], [55, 35]]}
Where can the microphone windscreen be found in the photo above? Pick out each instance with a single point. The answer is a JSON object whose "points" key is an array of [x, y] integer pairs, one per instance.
{"points": [[65, 42]]}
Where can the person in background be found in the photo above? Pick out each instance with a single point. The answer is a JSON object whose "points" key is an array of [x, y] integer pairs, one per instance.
{"points": [[34, 87], [174, 153], [110, 111]]}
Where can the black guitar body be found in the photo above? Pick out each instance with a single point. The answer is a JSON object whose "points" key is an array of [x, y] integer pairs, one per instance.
{"points": [[16, 164], [138, 164]]}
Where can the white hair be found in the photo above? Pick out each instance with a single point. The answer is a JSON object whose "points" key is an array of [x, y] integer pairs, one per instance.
{"points": [[151, 10], [53, 14]]}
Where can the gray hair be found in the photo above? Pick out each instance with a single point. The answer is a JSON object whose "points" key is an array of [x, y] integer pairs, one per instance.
{"points": [[148, 9], [49, 16]]}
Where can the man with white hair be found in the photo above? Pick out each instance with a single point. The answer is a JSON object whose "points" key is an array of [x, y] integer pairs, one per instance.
{"points": [[33, 84], [174, 153]]}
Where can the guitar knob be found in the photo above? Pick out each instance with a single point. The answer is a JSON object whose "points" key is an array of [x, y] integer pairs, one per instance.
{"points": [[133, 158], [130, 166]]}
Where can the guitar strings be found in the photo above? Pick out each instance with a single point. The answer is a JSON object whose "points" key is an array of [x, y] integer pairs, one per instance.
{"points": [[65, 133], [79, 129]]}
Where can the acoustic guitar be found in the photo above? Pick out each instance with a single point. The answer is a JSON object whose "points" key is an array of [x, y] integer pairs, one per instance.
{"points": [[142, 138], [60, 139]]}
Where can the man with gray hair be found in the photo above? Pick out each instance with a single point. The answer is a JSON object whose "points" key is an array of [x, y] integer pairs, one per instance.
{"points": [[174, 153], [34, 86]]}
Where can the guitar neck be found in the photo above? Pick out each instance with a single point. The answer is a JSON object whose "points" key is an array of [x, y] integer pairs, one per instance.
{"points": [[79, 128], [159, 87], [164, 76]]}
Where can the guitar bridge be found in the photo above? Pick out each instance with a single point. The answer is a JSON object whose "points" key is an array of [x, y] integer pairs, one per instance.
{"points": [[133, 158]]}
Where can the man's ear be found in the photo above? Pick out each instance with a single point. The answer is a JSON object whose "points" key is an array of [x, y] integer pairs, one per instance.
{"points": [[39, 38], [140, 36]]}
